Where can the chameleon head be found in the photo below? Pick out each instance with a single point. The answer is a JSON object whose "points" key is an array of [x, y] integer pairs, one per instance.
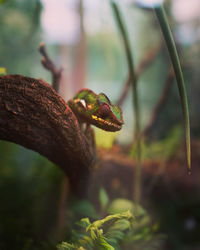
{"points": [[107, 116], [96, 110]]}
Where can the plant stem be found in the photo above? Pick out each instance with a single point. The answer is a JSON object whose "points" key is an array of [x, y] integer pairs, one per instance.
{"points": [[130, 62], [160, 13]]}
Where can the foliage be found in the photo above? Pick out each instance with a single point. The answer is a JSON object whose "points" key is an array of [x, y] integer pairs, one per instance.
{"points": [[162, 149], [101, 234], [20, 26], [29, 191], [118, 230]]}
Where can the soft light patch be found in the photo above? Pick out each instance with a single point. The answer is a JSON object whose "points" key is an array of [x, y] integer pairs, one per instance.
{"points": [[105, 139], [150, 3], [3, 71]]}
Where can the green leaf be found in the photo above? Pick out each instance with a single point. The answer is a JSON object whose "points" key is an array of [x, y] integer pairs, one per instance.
{"points": [[120, 225], [86, 241], [103, 244], [103, 198], [84, 222], [160, 13], [110, 218], [120, 205], [84, 208], [93, 234], [66, 246]]}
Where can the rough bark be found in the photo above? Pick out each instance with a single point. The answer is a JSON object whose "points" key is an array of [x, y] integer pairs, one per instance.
{"points": [[33, 115]]}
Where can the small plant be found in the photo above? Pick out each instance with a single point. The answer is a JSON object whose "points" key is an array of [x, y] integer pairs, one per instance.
{"points": [[101, 234], [119, 230]]}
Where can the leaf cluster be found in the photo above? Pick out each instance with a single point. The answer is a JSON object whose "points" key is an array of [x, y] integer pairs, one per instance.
{"points": [[118, 230], [101, 234]]}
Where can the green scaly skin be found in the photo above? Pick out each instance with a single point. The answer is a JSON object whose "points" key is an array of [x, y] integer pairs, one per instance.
{"points": [[97, 110]]}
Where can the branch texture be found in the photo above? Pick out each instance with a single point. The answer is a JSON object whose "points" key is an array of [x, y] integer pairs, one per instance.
{"points": [[33, 115]]}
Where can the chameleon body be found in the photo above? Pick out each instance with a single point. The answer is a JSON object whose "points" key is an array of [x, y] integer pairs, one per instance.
{"points": [[97, 110]]}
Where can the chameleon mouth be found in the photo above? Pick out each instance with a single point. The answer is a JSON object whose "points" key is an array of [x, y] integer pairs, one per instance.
{"points": [[107, 123]]}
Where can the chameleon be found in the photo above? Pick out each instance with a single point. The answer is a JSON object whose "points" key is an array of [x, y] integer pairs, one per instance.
{"points": [[97, 110]]}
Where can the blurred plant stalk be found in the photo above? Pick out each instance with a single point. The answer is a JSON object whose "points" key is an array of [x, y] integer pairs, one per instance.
{"points": [[133, 79]]}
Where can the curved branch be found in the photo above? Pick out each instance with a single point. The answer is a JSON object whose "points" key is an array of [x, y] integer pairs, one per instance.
{"points": [[33, 115]]}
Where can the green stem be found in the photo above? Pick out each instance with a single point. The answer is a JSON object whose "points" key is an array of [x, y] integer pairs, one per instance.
{"points": [[160, 13], [127, 47]]}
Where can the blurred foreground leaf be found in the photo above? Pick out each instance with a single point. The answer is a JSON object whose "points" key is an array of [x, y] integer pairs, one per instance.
{"points": [[160, 12]]}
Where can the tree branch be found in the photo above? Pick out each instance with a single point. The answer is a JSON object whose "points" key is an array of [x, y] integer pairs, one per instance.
{"points": [[33, 115], [49, 65]]}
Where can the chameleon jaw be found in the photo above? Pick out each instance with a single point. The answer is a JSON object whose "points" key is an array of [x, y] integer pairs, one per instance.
{"points": [[110, 125]]}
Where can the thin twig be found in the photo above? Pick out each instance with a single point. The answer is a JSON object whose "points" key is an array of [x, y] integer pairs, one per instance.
{"points": [[49, 65]]}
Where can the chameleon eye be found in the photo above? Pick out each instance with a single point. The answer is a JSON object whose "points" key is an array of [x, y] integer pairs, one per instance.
{"points": [[104, 110]]}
